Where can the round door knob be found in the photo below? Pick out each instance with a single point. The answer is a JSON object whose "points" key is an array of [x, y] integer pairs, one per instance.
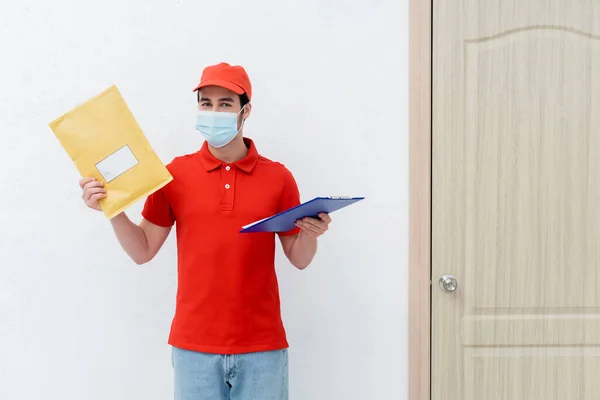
{"points": [[448, 283]]}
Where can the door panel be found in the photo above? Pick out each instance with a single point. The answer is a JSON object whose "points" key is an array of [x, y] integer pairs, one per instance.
{"points": [[537, 373], [516, 199]]}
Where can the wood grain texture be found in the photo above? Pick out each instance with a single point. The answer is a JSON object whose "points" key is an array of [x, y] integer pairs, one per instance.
{"points": [[515, 195], [420, 200]]}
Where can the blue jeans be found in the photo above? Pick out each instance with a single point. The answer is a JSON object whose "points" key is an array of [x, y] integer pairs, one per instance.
{"points": [[250, 376]]}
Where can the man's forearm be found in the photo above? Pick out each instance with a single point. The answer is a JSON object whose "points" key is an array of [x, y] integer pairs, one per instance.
{"points": [[132, 238], [302, 251]]}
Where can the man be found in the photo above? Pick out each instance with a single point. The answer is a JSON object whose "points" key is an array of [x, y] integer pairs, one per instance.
{"points": [[227, 336]]}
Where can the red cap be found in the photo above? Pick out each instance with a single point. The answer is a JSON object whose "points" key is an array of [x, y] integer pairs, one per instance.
{"points": [[230, 77]]}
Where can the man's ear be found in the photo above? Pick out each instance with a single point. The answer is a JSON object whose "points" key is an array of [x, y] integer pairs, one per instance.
{"points": [[247, 111]]}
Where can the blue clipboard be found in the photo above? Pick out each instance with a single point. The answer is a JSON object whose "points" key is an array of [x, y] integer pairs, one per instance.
{"points": [[286, 220]]}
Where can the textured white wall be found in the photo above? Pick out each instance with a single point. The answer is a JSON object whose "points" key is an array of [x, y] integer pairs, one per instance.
{"points": [[78, 320]]}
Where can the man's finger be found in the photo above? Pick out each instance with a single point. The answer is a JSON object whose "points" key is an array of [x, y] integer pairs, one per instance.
{"points": [[84, 181], [88, 193], [93, 184], [97, 196], [309, 227], [310, 222], [325, 217], [316, 222]]}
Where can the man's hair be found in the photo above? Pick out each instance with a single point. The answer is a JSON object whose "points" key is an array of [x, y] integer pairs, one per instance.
{"points": [[243, 99]]}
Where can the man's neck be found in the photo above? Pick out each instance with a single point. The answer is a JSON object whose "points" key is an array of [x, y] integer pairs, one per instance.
{"points": [[234, 151]]}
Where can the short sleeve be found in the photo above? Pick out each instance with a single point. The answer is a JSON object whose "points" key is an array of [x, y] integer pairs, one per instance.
{"points": [[157, 209], [290, 197]]}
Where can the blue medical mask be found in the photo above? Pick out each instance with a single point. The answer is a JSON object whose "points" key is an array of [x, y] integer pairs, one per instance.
{"points": [[218, 128]]}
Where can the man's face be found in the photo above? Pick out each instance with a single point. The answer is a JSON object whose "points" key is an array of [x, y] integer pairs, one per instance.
{"points": [[216, 98], [219, 99]]}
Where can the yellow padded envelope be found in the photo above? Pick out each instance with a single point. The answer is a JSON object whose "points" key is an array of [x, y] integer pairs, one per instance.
{"points": [[105, 142]]}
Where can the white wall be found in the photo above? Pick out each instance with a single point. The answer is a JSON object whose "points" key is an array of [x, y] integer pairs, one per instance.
{"points": [[78, 320]]}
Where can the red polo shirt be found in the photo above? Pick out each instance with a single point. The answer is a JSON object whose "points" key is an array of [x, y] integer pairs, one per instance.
{"points": [[227, 295]]}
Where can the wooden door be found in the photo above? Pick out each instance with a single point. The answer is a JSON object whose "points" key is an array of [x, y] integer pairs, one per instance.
{"points": [[516, 199]]}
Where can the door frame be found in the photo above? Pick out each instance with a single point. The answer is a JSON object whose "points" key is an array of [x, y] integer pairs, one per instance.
{"points": [[419, 264]]}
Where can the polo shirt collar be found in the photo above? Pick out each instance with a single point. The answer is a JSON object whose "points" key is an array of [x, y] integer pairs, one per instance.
{"points": [[246, 164]]}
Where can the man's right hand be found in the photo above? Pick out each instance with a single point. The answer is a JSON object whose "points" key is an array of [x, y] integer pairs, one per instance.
{"points": [[93, 191]]}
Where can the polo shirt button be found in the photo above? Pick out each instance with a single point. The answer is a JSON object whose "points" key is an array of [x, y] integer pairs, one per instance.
{"points": [[227, 168], [227, 186]]}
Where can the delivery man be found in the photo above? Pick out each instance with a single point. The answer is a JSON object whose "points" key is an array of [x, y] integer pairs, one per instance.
{"points": [[227, 336]]}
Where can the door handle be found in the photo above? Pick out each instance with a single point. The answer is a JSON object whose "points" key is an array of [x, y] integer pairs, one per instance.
{"points": [[448, 283]]}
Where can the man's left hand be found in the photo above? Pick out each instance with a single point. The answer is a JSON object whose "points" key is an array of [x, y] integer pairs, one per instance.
{"points": [[314, 227]]}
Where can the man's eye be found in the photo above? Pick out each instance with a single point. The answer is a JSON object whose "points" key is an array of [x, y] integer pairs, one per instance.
{"points": [[205, 104], [225, 105]]}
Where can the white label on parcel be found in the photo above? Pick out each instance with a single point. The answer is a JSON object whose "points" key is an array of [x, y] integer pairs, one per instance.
{"points": [[117, 163]]}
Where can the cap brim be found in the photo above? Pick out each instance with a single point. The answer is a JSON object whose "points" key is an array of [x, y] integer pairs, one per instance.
{"points": [[225, 84]]}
